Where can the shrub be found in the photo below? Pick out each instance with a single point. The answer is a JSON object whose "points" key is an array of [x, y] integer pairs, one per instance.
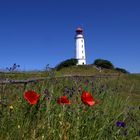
{"points": [[121, 70], [103, 64], [66, 63]]}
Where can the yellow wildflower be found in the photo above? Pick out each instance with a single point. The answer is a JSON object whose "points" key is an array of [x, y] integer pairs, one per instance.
{"points": [[11, 107]]}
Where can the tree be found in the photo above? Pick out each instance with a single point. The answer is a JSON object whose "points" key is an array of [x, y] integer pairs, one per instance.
{"points": [[66, 63], [103, 64]]}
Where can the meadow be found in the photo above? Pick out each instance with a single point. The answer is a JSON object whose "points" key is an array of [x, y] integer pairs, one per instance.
{"points": [[114, 116]]}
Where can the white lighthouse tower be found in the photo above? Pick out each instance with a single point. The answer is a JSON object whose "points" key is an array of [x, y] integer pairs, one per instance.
{"points": [[80, 47]]}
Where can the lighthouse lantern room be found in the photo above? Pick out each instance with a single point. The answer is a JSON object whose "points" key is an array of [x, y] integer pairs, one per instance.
{"points": [[80, 47]]}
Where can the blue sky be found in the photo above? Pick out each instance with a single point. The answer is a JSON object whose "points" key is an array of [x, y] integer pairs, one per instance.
{"points": [[34, 33]]}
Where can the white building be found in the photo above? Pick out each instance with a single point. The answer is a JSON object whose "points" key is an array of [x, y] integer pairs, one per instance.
{"points": [[80, 47]]}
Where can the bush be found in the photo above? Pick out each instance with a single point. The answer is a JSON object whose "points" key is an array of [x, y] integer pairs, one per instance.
{"points": [[121, 70], [103, 64], [66, 63]]}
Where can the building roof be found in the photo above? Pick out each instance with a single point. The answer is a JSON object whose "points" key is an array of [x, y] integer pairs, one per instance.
{"points": [[79, 30]]}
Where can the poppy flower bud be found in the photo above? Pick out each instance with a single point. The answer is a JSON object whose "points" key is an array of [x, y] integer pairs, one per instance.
{"points": [[63, 100]]}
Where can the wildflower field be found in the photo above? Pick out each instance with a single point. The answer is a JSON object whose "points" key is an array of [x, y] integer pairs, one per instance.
{"points": [[73, 108]]}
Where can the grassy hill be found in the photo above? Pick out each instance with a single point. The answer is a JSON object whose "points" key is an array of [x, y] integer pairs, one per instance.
{"points": [[87, 70], [73, 70]]}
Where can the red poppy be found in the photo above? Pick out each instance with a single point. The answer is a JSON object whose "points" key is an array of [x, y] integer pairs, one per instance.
{"points": [[63, 100], [87, 98], [31, 97]]}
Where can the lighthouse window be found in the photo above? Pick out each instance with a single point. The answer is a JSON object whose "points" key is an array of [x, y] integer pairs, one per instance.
{"points": [[82, 51], [81, 40], [82, 46]]}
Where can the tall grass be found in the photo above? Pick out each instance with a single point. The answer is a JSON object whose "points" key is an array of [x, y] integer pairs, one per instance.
{"points": [[47, 120]]}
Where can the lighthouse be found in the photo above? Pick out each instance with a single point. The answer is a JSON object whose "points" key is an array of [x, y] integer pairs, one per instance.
{"points": [[80, 47]]}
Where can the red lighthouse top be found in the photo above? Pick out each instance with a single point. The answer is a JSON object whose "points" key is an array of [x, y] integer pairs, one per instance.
{"points": [[79, 30]]}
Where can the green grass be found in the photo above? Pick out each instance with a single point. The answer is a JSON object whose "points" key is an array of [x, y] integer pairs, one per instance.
{"points": [[23, 75], [86, 70], [119, 101]]}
